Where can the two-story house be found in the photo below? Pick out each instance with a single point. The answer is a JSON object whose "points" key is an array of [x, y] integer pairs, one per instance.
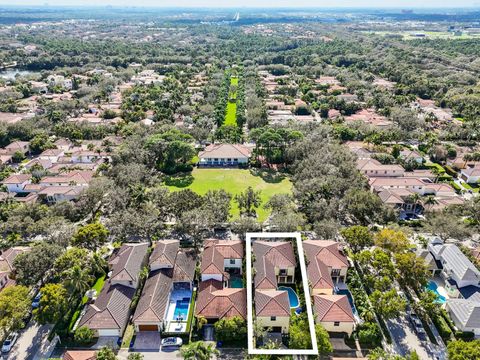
{"points": [[327, 268], [327, 265], [222, 260], [457, 270], [274, 265], [108, 315], [169, 285], [221, 293]]}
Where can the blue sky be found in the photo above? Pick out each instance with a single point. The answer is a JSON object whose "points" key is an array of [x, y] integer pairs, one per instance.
{"points": [[254, 3]]}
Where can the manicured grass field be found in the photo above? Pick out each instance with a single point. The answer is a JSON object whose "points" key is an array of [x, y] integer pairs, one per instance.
{"points": [[231, 114], [97, 286], [235, 181]]}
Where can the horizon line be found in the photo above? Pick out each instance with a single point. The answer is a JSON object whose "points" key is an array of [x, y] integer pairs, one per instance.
{"points": [[475, 6]]}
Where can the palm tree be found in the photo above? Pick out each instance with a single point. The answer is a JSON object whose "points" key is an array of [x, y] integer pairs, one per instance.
{"points": [[430, 201], [77, 280], [198, 350]]}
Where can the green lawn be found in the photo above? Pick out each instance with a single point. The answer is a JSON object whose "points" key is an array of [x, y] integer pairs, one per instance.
{"points": [[235, 181], [231, 114], [97, 286]]}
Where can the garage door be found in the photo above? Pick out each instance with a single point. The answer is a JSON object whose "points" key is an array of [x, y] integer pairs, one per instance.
{"points": [[148, 328], [108, 332]]}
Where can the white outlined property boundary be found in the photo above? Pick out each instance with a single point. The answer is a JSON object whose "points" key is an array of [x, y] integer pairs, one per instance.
{"points": [[303, 268]]}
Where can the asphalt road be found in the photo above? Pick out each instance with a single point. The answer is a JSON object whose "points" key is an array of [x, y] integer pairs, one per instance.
{"points": [[406, 341], [29, 342]]}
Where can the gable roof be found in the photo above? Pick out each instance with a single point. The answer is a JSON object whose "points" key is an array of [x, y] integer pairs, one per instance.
{"points": [[454, 260], [331, 308], [216, 302], [466, 311], [164, 253], [272, 303], [17, 179], [223, 151], [156, 292], [153, 301], [111, 308], [127, 262]]}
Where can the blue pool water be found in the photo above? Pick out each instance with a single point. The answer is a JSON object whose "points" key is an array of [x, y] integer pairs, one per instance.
{"points": [[433, 287], [292, 296], [181, 309], [236, 282]]}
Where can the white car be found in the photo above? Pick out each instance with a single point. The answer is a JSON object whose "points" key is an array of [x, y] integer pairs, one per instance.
{"points": [[9, 342], [172, 341]]}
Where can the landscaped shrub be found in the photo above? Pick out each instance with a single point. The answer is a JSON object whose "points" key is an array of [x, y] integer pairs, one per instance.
{"points": [[84, 335], [369, 334], [442, 327]]}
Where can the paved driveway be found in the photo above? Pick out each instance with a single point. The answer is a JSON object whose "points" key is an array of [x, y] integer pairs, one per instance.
{"points": [[406, 340], [147, 341], [29, 342]]}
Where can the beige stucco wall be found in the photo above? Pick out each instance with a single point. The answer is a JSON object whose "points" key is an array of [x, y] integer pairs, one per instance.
{"points": [[346, 327], [283, 321]]}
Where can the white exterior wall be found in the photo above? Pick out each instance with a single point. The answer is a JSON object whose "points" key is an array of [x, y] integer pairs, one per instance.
{"points": [[16, 188], [206, 277], [108, 332], [237, 265]]}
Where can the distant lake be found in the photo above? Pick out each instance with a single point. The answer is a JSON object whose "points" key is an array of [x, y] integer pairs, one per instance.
{"points": [[9, 74]]}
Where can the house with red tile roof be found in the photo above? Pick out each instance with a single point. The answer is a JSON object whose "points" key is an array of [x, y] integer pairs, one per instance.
{"points": [[222, 155], [80, 355], [215, 302], [16, 183], [221, 293], [169, 284], [272, 310], [108, 315], [327, 265], [334, 313], [221, 260], [7, 258], [274, 265]]}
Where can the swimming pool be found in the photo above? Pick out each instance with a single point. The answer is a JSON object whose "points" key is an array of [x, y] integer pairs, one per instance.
{"points": [[432, 286], [181, 309], [236, 282], [292, 296]]}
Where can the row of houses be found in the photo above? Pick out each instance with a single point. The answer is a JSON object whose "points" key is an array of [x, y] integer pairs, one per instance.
{"points": [[167, 299], [396, 187], [57, 174]]}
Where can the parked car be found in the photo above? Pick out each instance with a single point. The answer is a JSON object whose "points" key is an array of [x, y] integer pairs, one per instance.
{"points": [[9, 342], [36, 301], [417, 326], [172, 342]]}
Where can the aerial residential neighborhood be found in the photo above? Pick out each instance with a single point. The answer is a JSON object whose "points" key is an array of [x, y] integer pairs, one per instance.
{"points": [[239, 181]]}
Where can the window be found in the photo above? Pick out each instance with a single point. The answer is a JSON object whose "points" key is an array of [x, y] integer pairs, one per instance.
{"points": [[273, 318], [283, 272], [232, 261], [335, 272], [336, 323], [130, 282]]}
